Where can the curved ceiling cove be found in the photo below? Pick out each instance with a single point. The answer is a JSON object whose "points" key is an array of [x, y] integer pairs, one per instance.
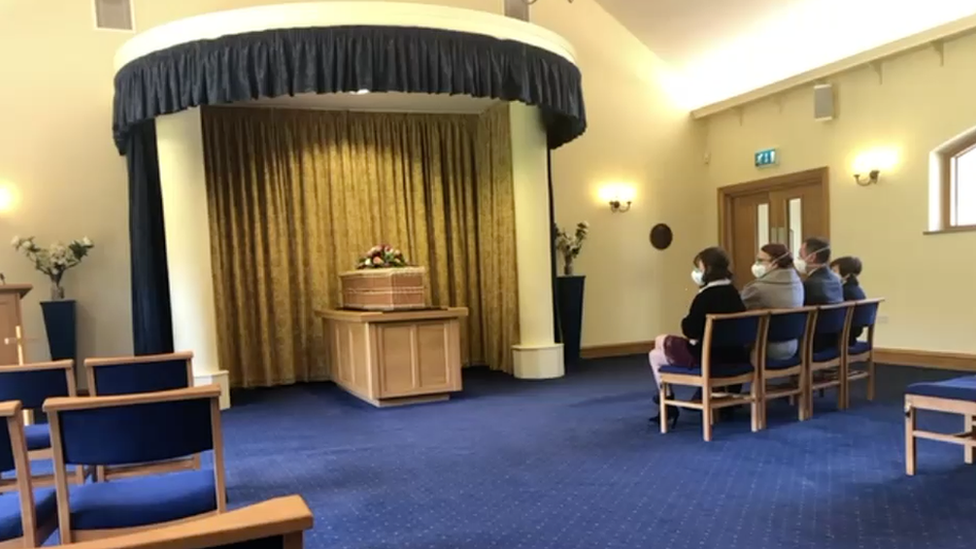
{"points": [[273, 51]]}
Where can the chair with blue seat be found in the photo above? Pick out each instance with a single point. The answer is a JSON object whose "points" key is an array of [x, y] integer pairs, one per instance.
{"points": [[145, 428], [785, 325], [735, 330], [27, 518], [953, 396], [825, 365], [32, 384], [861, 351], [140, 374]]}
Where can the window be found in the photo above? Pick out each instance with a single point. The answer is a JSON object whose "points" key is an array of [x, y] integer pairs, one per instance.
{"points": [[114, 15], [962, 189]]}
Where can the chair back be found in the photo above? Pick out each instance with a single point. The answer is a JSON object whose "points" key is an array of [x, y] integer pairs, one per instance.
{"points": [[8, 461], [733, 330], [32, 384], [865, 313], [788, 324], [134, 429], [832, 319], [139, 374]]}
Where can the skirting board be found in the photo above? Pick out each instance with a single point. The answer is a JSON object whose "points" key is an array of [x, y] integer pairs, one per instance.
{"points": [[901, 357]]}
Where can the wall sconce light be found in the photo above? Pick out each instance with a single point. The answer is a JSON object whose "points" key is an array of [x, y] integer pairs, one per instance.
{"points": [[871, 179], [9, 197], [619, 197]]}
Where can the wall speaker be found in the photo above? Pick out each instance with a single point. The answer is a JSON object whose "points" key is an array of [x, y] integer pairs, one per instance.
{"points": [[517, 9], [823, 102], [114, 15]]}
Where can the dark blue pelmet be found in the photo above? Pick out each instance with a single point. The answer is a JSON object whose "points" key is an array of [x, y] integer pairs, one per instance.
{"points": [[31, 388], [140, 433], [122, 379], [280, 62]]}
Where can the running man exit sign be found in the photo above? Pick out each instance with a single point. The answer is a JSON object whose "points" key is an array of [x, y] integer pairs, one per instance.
{"points": [[766, 158]]}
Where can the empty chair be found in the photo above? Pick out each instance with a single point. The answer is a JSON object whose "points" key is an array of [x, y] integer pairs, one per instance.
{"points": [[861, 351], [278, 522], [825, 365], [785, 325], [32, 384], [140, 374], [136, 429], [27, 518], [736, 330], [953, 396]]}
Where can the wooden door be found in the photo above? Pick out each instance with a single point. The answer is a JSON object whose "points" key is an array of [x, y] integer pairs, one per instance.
{"points": [[785, 209]]}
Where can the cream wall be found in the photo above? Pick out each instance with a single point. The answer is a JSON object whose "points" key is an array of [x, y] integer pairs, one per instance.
{"points": [[918, 106], [636, 136], [56, 147]]}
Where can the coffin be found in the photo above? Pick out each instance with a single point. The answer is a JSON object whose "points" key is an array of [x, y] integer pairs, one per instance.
{"points": [[395, 289]]}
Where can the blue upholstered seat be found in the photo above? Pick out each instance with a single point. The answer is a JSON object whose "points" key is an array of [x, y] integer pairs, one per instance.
{"points": [[783, 363], [859, 347], [718, 371], [825, 355], [11, 524], [960, 388], [38, 436], [142, 501]]}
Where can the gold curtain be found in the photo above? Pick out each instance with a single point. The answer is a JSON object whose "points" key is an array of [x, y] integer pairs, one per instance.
{"points": [[295, 197]]}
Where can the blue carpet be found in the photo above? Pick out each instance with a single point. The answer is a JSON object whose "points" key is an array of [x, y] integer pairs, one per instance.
{"points": [[572, 464]]}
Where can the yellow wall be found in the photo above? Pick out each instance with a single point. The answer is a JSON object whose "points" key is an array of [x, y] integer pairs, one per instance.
{"points": [[637, 136], [56, 147], [918, 106]]}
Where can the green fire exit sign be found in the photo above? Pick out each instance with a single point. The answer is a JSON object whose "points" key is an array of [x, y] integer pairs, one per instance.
{"points": [[766, 158]]}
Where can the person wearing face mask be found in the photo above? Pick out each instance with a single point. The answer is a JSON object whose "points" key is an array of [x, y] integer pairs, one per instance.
{"points": [[821, 285], [848, 268], [777, 286], [716, 295]]}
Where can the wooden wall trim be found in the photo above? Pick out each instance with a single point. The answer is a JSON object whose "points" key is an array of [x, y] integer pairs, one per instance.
{"points": [[902, 357]]}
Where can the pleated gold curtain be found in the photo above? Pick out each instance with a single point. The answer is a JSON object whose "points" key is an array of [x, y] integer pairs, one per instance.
{"points": [[296, 196]]}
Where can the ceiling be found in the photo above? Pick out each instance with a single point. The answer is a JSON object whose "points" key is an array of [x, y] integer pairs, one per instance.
{"points": [[378, 102], [723, 48]]}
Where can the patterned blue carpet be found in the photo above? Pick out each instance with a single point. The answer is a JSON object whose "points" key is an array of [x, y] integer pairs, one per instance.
{"points": [[572, 464]]}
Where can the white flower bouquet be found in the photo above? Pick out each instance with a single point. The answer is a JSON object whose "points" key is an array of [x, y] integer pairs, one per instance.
{"points": [[54, 260], [570, 246]]}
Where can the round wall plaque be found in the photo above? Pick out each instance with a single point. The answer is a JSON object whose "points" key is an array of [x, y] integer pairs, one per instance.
{"points": [[661, 236]]}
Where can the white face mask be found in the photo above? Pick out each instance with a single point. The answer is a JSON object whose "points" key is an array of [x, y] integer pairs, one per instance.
{"points": [[698, 277], [759, 270], [801, 265]]}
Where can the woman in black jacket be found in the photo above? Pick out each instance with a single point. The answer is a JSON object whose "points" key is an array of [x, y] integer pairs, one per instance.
{"points": [[716, 295], [848, 268]]}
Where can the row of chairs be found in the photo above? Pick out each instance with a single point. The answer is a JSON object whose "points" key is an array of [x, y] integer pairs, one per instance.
{"points": [[143, 418], [813, 369]]}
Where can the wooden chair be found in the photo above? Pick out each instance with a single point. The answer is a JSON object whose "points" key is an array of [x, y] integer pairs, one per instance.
{"points": [[27, 518], [785, 325], [140, 374], [278, 522], [738, 330], [32, 384], [953, 396], [826, 366], [136, 429], [864, 317]]}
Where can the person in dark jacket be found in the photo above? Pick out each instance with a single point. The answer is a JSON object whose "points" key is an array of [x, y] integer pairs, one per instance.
{"points": [[716, 295], [821, 285], [848, 268]]}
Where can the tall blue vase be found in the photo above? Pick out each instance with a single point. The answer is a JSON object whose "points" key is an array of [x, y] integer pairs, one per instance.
{"points": [[59, 322], [569, 302]]}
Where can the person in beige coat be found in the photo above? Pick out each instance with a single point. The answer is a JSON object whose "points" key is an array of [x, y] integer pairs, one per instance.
{"points": [[777, 286]]}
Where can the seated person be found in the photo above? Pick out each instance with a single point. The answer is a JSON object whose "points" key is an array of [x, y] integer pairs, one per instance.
{"points": [[777, 286], [716, 295], [848, 268], [821, 286]]}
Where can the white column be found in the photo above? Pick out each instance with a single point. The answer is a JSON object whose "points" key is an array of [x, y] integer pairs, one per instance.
{"points": [[179, 138], [537, 356]]}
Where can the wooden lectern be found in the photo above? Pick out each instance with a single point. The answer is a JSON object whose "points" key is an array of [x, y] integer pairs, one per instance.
{"points": [[11, 318]]}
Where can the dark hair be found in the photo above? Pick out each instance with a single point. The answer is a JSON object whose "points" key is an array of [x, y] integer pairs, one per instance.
{"points": [[848, 266], [820, 248], [716, 262], [779, 254]]}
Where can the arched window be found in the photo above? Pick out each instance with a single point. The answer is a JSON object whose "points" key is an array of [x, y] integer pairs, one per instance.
{"points": [[959, 185]]}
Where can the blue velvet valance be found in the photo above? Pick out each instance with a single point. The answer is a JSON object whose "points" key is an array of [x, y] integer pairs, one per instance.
{"points": [[281, 62]]}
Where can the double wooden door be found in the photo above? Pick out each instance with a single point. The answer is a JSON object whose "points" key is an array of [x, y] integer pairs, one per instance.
{"points": [[785, 209]]}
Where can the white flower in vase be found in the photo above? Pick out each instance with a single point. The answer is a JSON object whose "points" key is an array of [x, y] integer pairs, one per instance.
{"points": [[55, 260]]}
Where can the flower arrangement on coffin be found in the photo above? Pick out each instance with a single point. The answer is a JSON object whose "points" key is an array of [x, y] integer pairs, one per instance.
{"points": [[570, 246], [382, 257], [54, 260]]}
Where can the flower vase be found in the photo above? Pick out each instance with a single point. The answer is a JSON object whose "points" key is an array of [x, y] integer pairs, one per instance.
{"points": [[60, 322], [569, 305]]}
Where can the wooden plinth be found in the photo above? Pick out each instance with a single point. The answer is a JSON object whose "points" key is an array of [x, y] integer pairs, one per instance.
{"points": [[395, 358]]}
